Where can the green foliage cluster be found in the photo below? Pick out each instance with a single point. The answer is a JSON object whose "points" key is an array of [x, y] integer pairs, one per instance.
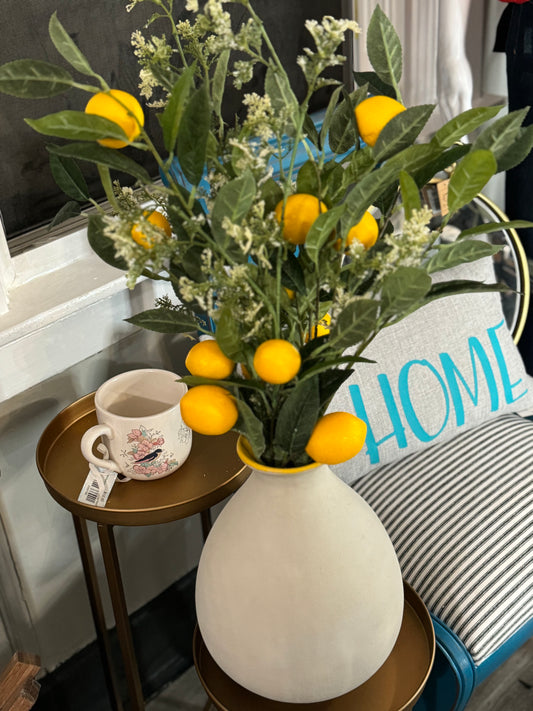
{"points": [[227, 257]]}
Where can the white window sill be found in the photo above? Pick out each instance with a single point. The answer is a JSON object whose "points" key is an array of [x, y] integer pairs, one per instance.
{"points": [[65, 305]]}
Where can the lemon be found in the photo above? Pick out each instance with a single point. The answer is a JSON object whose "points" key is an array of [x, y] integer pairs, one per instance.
{"points": [[373, 114], [366, 232], [207, 360], [157, 219], [121, 108], [209, 409], [336, 437], [277, 361], [301, 210]]}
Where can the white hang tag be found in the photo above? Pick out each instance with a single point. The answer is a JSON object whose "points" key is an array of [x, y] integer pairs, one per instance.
{"points": [[97, 486]]}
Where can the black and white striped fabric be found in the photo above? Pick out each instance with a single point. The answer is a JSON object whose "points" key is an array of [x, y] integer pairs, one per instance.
{"points": [[460, 516]]}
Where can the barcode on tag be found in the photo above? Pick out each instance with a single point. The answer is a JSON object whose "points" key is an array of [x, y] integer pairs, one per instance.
{"points": [[92, 493], [97, 486]]}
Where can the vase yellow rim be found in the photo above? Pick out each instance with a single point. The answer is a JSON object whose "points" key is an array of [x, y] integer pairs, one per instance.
{"points": [[246, 455]]}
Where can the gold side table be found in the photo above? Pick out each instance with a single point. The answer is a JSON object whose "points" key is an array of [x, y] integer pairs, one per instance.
{"points": [[212, 472], [396, 686]]}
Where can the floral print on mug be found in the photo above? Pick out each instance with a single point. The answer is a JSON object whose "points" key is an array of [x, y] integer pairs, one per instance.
{"points": [[147, 454]]}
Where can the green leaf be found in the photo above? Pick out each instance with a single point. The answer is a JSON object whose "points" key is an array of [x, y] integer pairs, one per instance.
{"points": [[171, 116], [517, 151], [164, 320], [251, 427], [33, 79], [374, 83], [488, 227], [414, 158], [193, 134], [384, 48], [103, 245], [461, 286], [442, 161], [77, 125], [329, 382], [229, 336], [333, 182], [460, 126], [361, 162], [410, 194], [307, 180], [271, 193], [93, 153], [343, 133], [310, 130], [355, 323], [506, 139], [67, 48], [403, 289], [297, 417], [233, 201], [326, 122], [401, 131], [469, 178], [281, 95], [69, 177], [366, 191], [219, 81], [451, 255], [292, 274], [69, 209], [321, 231], [192, 262]]}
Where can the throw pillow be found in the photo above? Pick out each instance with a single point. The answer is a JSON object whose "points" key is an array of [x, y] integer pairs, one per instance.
{"points": [[446, 368]]}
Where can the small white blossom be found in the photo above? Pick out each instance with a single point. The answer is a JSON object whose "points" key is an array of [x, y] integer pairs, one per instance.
{"points": [[243, 72]]}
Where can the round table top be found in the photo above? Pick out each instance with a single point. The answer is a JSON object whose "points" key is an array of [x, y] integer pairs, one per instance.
{"points": [[396, 686], [211, 472]]}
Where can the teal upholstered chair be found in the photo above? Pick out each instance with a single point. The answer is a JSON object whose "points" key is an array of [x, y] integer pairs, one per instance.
{"points": [[460, 514]]}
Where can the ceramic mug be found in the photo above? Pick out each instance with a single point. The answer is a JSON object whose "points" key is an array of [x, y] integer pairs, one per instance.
{"points": [[139, 420]]}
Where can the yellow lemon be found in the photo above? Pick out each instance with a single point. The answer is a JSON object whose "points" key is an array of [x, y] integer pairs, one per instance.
{"points": [[373, 114], [121, 108], [209, 409], [277, 361], [322, 328], [158, 220], [207, 360], [301, 210], [365, 231], [336, 437]]}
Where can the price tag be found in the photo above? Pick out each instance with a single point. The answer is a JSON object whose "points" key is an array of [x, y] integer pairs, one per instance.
{"points": [[97, 486]]}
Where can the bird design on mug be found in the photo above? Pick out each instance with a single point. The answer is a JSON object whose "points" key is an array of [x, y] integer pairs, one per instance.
{"points": [[147, 460], [151, 456]]}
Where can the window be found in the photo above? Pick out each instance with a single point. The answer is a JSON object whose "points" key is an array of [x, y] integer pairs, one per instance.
{"points": [[55, 287]]}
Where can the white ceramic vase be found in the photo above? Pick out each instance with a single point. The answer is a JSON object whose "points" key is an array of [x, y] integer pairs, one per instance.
{"points": [[299, 594]]}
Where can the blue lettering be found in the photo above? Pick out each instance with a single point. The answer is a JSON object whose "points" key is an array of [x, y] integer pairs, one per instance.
{"points": [[398, 429], [453, 374], [502, 365], [412, 418]]}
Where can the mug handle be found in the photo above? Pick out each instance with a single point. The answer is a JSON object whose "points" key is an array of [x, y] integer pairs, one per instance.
{"points": [[87, 441]]}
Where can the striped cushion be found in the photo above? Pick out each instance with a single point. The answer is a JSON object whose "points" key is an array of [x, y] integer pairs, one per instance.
{"points": [[460, 515]]}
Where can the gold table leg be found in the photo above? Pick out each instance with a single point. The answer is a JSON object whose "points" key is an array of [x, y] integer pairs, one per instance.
{"points": [[116, 590], [95, 601], [207, 523]]}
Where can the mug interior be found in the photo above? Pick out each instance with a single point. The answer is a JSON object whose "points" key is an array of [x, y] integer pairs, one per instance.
{"points": [[140, 393]]}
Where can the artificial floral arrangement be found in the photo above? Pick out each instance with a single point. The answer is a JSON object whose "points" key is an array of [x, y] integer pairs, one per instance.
{"points": [[292, 260]]}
